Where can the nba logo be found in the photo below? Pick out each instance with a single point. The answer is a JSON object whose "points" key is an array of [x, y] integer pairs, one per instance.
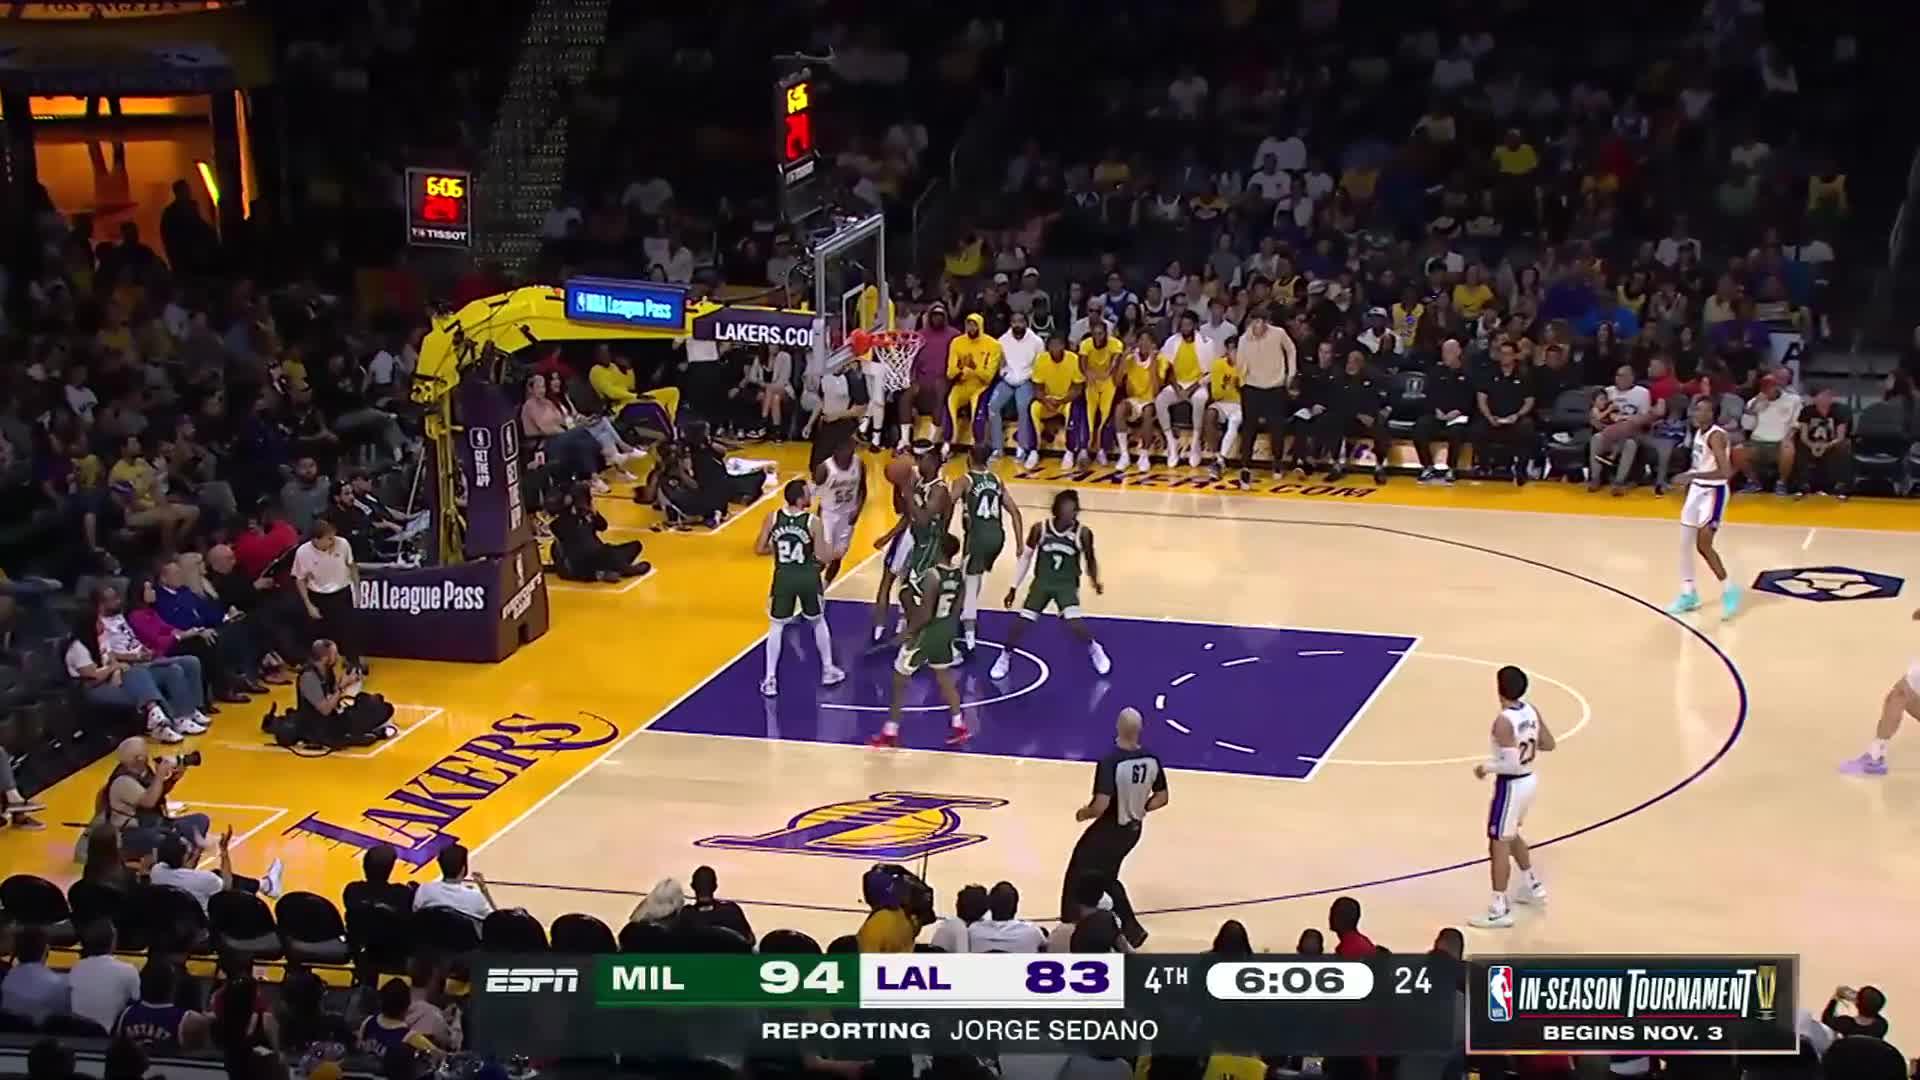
{"points": [[1499, 993]]}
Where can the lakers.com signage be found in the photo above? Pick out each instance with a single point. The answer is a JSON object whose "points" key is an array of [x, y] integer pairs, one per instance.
{"points": [[757, 326], [478, 612], [420, 817]]}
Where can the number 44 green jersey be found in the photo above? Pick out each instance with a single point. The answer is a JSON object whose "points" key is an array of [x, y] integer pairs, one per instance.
{"points": [[985, 535]]}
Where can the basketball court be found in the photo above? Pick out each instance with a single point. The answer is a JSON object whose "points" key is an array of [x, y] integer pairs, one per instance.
{"points": [[1316, 669]]}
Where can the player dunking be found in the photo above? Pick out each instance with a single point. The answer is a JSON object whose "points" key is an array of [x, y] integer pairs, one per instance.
{"points": [[1705, 509], [841, 482], [933, 627], [1518, 736], [1903, 698], [899, 543], [984, 503], [1060, 544], [793, 536]]}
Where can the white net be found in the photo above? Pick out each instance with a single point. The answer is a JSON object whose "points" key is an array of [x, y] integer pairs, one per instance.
{"points": [[896, 349]]}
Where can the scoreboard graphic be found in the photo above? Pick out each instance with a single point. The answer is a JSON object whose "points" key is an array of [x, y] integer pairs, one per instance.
{"points": [[1632, 1004], [964, 1003]]}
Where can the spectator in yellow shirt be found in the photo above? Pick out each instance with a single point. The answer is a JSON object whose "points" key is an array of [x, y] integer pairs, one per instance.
{"points": [[1472, 296], [1515, 156], [613, 379], [1060, 387], [136, 487], [972, 361]]}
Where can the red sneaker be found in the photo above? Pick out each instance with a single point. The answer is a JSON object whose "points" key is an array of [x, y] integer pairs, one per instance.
{"points": [[884, 741], [959, 736]]}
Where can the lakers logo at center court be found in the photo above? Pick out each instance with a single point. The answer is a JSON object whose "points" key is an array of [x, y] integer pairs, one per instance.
{"points": [[897, 825]]}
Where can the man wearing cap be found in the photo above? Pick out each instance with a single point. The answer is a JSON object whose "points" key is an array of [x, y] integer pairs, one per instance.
{"points": [[973, 359], [927, 395], [1268, 362], [1021, 299], [1019, 348]]}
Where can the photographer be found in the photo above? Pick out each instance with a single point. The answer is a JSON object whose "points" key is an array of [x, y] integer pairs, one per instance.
{"points": [[578, 551], [133, 802], [900, 905], [332, 713]]}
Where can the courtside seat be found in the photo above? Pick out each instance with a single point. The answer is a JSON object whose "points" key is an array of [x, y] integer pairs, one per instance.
{"points": [[512, 931], [34, 901], [1882, 446], [381, 938], [445, 931], [91, 902], [311, 929], [179, 924], [582, 934], [1406, 401], [242, 925], [1568, 428]]}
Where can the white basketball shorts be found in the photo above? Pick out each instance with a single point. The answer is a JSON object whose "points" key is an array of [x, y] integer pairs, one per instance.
{"points": [[1512, 795], [1706, 506]]}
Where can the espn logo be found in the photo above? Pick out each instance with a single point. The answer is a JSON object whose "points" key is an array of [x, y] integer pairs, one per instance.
{"points": [[1500, 993], [533, 980]]}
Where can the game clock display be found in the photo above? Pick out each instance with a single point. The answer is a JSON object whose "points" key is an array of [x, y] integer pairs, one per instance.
{"points": [[966, 1003], [439, 208]]}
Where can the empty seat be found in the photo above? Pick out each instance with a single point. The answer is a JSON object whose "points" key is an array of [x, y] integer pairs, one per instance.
{"points": [[584, 934], [512, 931], [35, 901], [241, 924], [311, 930]]}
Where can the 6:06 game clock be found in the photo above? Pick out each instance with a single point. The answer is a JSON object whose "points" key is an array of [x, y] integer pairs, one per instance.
{"points": [[439, 208]]}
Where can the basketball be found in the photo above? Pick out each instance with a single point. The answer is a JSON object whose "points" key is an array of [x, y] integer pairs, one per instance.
{"points": [[900, 472], [860, 341]]}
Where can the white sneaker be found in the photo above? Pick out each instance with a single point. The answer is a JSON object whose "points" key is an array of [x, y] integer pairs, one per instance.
{"points": [[598, 486], [1126, 461], [201, 718], [1101, 663], [1492, 920], [1173, 456], [164, 733], [157, 717], [1145, 465], [1002, 665], [1032, 461], [769, 688], [187, 725], [1193, 455], [946, 451], [270, 884], [1100, 459], [832, 676], [992, 456], [1531, 895], [1066, 461]]}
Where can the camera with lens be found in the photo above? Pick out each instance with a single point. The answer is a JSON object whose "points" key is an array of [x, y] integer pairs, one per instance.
{"points": [[186, 760], [913, 893]]}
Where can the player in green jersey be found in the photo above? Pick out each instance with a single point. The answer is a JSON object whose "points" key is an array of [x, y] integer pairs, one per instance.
{"points": [[982, 497], [933, 629], [1060, 545], [912, 547], [795, 538]]}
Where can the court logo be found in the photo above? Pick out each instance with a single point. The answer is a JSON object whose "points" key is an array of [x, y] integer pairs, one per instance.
{"points": [[1500, 993], [895, 825], [1825, 583]]}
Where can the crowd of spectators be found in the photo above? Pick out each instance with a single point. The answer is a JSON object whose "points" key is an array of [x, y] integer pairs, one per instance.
{"points": [[359, 1012]]}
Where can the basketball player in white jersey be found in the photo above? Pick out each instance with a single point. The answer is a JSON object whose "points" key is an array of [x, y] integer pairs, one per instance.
{"points": [[1518, 736], [1705, 509], [840, 482], [1902, 699]]}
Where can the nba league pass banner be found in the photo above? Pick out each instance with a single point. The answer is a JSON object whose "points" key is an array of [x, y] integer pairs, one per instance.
{"points": [[1633, 1005], [480, 611]]}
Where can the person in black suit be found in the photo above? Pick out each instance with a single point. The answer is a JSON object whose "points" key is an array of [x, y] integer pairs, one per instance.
{"points": [[1360, 402], [1449, 415]]}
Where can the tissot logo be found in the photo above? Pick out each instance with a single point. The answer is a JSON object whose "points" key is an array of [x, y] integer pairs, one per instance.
{"points": [[533, 981]]}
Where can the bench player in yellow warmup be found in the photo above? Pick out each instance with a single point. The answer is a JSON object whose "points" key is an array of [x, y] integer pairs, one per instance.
{"points": [[1100, 357], [972, 362], [1059, 397]]}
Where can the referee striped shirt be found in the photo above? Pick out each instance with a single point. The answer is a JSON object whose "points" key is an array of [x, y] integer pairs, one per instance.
{"points": [[1128, 778]]}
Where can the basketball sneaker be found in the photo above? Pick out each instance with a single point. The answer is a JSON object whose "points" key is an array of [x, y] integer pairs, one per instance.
{"points": [[1001, 665], [1531, 894], [1687, 601], [1492, 920], [769, 688], [1145, 464], [832, 676], [885, 741], [1101, 663], [1193, 453], [1100, 458], [1126, 461], [1066, 461], [1865, 765], [270, 882], [1730, 600], [959, 735], [194, 723], [1032, 462], [1173, 455]]}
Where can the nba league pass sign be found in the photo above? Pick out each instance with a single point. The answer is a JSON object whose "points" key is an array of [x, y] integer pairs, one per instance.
{"points": [[1632, 1005]]}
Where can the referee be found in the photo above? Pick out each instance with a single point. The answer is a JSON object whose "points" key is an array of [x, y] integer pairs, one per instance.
{"points": [[1128, 784]]}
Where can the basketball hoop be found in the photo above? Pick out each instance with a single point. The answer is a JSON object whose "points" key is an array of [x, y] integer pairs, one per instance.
{"points": [[896, 349]]}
